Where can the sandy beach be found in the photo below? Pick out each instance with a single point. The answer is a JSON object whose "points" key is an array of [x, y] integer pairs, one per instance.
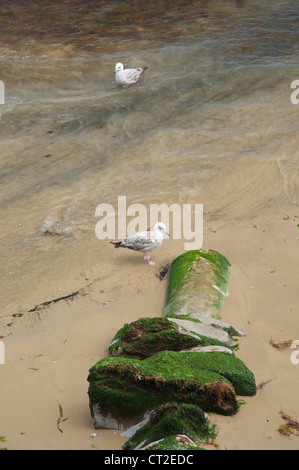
{"points": [[49, 351]]}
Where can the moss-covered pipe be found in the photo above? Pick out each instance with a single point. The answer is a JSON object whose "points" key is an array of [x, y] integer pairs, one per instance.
{"points": [[197, 284]]}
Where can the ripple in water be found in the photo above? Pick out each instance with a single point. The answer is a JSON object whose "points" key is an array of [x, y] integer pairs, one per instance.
{"points": [[216, 94]]}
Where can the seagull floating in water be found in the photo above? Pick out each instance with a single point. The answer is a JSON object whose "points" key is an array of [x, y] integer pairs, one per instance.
{"points": [[144, 241], [127, 76]]}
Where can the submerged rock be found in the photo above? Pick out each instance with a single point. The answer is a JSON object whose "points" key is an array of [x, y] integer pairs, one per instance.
{"points": [[184, 425], [122, 390], [197, 283]]}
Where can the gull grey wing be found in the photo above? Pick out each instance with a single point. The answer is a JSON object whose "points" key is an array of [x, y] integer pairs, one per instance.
{"points": [[137, 243], [132, 74]]}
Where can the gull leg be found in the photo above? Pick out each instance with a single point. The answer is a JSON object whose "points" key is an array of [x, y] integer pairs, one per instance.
{"points": [[148, 259], [152, 263]]}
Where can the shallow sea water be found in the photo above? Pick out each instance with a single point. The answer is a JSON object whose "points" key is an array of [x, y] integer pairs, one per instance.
{"points": [[216, 93]]}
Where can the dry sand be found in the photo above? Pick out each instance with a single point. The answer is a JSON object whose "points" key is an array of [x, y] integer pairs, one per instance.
{"points": [[49, 351]]}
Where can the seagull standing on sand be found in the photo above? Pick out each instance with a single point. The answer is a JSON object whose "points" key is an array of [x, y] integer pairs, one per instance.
{"points": [[144, 241], [127, 76]]}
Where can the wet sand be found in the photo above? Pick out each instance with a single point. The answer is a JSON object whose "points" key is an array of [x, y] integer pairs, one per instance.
{"points": [[49, 352], [222, 134]]}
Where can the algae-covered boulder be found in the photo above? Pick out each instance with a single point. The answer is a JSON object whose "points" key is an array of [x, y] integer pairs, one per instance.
{"points": [[167, 371], [122, 390], [173, 420], [147, 336], [197, 284], [229, 366]]}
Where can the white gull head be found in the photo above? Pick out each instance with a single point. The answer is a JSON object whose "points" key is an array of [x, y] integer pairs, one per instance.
{"points": [[160, 227], [119, 67]]}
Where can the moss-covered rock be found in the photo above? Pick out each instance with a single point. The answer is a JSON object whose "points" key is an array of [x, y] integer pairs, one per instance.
{"points": [[147, 336], [177, 365], [171, 420], [124, 389], [229, 366], [197, 283]]}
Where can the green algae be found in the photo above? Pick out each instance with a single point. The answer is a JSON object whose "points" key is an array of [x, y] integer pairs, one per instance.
{"points": [[169, 365], [228, 366], [170, 420], [127, 387], [148, 372], [147, 336], [197, 283]]}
